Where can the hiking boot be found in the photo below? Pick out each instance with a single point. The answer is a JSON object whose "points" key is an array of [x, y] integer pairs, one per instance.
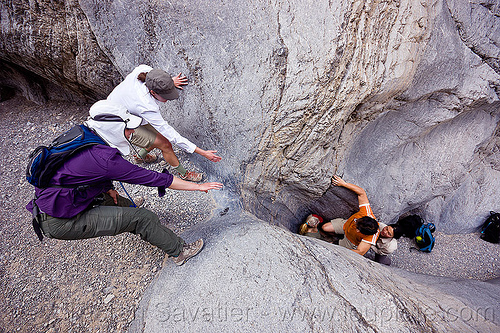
{"points": [[192, 176], [149, 158], [188, 251]]}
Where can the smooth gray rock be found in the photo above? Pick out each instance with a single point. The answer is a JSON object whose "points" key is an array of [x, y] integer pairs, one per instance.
{"points": [[57, 51], [254, 277]]}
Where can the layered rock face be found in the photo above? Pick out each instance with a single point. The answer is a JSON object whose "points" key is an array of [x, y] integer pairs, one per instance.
{"points": [[406, 111], [399, 97], [48, 51]]}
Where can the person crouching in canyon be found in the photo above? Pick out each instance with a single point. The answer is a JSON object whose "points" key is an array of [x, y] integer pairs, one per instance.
{"points": [[361, 230]]}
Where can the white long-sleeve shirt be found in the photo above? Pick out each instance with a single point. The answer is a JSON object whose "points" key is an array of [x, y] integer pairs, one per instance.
{"points": [[135, 96]]}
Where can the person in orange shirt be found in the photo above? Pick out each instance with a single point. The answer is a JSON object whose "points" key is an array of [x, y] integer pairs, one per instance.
{"points": [[361, 230]]}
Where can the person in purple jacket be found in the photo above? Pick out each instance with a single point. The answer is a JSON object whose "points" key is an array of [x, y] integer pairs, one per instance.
{"points": [[98, 210]]}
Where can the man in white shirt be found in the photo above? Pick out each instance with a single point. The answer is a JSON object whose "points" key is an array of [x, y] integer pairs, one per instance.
{"points": [[139, 93], [386, 243]]}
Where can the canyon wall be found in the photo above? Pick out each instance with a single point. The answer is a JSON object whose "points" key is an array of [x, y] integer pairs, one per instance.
{"points": [[399, 97]]}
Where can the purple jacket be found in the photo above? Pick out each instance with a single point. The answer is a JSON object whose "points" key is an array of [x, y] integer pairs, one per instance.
{"points": [[97, 165]]}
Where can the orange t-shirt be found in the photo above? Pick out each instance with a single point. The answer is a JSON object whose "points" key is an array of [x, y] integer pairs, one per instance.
{"points": [[352, 234]]}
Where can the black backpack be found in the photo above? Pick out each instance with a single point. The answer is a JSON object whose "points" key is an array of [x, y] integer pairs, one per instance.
{"points": [[413, 226], [410, 225], [490, 230]]}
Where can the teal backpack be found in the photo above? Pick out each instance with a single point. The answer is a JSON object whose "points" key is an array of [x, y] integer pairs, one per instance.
{"points": [[424, 238]]}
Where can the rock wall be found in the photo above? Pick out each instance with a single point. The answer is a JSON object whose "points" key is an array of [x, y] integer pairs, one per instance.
{"points": [[292, 93], [54, 45], [430, 142], [411, 134], [399, 97]]}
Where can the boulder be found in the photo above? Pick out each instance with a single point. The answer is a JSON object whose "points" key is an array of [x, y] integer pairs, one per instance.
{"points": [[255, 277]]}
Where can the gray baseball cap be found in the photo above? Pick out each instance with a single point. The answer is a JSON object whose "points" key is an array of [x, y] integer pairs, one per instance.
{"points": [[161, 83]]}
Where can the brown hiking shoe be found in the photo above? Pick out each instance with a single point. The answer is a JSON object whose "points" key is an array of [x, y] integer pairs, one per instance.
{"points": [[149, 158], [192, 176], [188, 251]]}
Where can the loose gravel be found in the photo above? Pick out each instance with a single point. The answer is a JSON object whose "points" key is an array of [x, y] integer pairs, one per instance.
{"points": [[460, 256]]}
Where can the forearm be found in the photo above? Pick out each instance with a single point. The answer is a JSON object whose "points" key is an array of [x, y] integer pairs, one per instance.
{"points": [[359, 252], [200, 151], [362, 197], [208, 154], [362, 248], [355, 188], [179, 184]]}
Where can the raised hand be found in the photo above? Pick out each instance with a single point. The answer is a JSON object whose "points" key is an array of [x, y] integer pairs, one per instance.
{"points": [[179, 81]]}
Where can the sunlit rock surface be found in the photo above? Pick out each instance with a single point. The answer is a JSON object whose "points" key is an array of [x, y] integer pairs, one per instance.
{"points": [[254, 277]]}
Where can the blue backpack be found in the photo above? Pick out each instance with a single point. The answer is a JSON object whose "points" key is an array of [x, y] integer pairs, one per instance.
{"points": [[45, 161], [424, 238]]}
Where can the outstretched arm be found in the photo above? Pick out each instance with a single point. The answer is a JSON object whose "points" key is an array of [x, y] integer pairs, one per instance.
{"points": [[179, 184], [362, 197], [208, 154]]}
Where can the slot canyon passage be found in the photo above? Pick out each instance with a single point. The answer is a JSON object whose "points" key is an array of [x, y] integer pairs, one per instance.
{"points": [[398, 97]]}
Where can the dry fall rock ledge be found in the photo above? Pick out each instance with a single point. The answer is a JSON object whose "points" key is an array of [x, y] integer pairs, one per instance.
{"points": [[399, 97]]}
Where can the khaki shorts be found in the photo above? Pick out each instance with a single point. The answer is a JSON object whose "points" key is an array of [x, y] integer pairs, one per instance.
{"points": [[338, 226], [144, 136]]}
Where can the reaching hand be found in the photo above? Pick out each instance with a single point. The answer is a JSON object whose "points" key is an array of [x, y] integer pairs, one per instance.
{"points": [[205, 187], [337, 181], [210, 154], [179, 81]]}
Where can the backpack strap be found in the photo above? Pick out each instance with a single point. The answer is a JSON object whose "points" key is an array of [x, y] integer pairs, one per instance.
{"points": [[36, 221]]}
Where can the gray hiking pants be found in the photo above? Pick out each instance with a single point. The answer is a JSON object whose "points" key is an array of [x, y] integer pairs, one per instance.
{"points": [[109, 219]]}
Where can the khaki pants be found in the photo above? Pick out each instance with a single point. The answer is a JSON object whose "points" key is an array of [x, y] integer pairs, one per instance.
{"points": [[144, 136], [109, 219]]}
